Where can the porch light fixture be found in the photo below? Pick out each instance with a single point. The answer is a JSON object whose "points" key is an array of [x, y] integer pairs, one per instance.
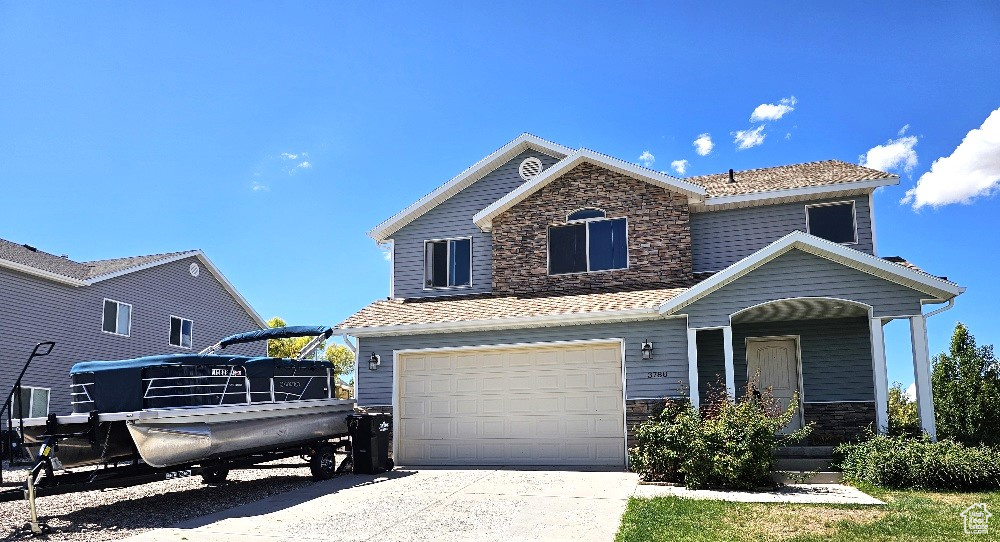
{"points": [[647, 349], [373, 362]]}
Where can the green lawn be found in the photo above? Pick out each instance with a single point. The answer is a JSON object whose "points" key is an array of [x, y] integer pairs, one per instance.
{"points": [[908, 515]]}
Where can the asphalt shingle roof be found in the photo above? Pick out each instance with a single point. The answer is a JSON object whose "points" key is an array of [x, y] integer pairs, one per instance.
{"points": [[751, 181], [398, 312], [60, 265]]}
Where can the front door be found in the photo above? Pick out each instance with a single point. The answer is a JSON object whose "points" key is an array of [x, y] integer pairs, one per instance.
{"points": [[776, 362]]}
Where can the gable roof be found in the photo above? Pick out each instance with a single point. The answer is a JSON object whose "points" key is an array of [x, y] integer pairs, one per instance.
{"points": [[873, 265], [484, 218], [464, 179], [31, 261], [808, 178]]}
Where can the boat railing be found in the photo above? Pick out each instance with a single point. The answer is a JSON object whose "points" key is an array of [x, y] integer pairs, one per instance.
{"points": [[197, 386]]}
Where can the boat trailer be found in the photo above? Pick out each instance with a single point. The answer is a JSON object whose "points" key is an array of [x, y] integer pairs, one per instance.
{"points": [[46, 477]]}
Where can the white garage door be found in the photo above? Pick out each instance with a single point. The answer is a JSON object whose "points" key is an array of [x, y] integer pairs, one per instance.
{"points": [[538, 405]]}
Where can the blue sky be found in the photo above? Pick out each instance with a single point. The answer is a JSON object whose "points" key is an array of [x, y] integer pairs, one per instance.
{"points": [[133, 128]]}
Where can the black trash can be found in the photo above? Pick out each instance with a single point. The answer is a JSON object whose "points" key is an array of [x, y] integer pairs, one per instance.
{"points": [[370, 434]]}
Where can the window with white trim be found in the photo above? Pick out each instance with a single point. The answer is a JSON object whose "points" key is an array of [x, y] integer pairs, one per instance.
{"points": [[180, 331], [117, 317], [448, 263], [833, 221], [588, 242], [33, 402]]}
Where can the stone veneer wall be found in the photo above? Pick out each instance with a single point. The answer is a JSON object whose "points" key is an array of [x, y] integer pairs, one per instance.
{"points": [[659, 234], [638, 411], [839, 422]]}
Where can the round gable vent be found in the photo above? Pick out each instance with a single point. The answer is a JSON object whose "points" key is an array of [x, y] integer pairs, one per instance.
{"points": [[194, 269], [530, 168]]}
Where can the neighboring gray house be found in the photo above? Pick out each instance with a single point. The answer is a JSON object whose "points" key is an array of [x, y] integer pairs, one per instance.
{"points": [[546, 299], [108, 309]]}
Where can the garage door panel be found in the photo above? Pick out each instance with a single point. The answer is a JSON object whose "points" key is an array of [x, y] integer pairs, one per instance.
{"points": [[519, 406]]}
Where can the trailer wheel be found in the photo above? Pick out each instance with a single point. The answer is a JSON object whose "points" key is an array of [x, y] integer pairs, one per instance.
{"points": [[323, 462], [214, 474]]}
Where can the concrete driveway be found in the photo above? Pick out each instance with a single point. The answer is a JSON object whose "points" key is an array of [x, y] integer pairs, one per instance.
{"points": [[429, 504]]}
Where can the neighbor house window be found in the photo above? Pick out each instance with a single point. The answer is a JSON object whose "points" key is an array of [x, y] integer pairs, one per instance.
{"points": [[180, 332], [588, 242], [833, 222], [117, 317], [32, 403], [448, 263]]}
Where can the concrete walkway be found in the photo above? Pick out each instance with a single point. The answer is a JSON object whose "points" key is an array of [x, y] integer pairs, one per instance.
{"points": [[792, 493], [428, 504]]}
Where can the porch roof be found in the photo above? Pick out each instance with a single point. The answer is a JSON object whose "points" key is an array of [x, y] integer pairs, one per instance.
{"points": [[462, 313]]}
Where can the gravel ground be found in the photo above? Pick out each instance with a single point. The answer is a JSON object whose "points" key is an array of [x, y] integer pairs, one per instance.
{"points": [[119, 513]]}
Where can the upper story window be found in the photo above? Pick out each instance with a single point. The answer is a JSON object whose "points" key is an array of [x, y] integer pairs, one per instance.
{"points": [[180, 332], [588, 242], [448, 263], [32, 403], [833, 221], [117, 317]]}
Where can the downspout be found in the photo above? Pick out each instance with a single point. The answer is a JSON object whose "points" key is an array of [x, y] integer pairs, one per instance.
{"points": [[951, 303]]}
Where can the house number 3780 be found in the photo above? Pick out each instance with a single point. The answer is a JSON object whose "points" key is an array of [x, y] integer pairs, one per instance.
{"points": [[656, 374]]}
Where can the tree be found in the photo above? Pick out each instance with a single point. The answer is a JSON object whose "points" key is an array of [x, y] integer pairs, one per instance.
{"points": [[903, 418], [341, 357], [286, 348], [966, 386]]}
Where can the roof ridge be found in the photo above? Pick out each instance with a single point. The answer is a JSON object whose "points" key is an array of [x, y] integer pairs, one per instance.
{"points": [[159, 254]]}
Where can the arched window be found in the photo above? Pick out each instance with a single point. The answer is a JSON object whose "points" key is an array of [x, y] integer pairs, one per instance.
{"points": [[583, 214]]}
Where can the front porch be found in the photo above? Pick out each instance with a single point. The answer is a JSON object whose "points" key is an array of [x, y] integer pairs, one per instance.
{"points": [[829, 350]]}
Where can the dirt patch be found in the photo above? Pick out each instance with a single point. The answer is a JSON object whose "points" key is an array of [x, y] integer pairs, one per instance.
{"points": [[781, 522]]}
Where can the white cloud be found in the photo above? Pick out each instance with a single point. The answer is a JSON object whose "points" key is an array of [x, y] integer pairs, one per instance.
{"points": [[972, 170], [894, 154], [259, 187], [647, 158], [788, 135], [902, 131], [703, 145], [748, 139], [304, 165], [680, 166], [766, 112], [289, 156]]}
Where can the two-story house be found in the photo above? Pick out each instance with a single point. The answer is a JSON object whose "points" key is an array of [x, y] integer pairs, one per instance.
{"points": [[108, 309], [546, 299]]}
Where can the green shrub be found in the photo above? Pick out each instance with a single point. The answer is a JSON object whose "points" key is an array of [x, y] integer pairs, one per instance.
{"points": [[730, 444], [909, 463], [903, 420]]}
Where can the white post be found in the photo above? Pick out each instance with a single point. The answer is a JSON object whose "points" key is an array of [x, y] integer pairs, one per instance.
{"points": [[693, 365], [727, 345], [881, 377], [922, 374]]}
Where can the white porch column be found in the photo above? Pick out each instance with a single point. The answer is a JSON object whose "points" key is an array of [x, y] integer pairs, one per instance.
{"points": [[693, 365], [881, 377], [922, 374], [727, 345]]}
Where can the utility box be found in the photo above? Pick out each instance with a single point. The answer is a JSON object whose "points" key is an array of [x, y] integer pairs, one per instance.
{"points": [[370, 434]]}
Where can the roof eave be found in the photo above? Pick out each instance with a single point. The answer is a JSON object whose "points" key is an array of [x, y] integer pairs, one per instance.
{"points": [[505, 323], [792, 193], [473, 173]]}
